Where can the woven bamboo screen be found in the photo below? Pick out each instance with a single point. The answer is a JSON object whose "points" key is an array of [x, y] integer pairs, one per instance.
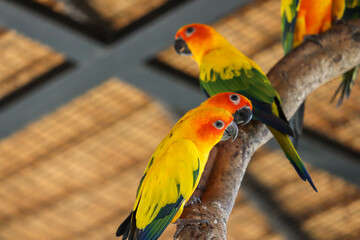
{"points": [[23, 59], [118, 13], [332, 213]]}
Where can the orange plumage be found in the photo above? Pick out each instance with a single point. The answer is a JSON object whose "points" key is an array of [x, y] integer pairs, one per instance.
{"points": [[314, 16]]}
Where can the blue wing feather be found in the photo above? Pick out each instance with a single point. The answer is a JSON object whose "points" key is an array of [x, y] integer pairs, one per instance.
{"points": [[161, 221]]}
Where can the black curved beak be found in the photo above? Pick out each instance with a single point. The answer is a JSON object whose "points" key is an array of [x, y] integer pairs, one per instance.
{"points": [[230, 132], [243, 115], [181, 47]]}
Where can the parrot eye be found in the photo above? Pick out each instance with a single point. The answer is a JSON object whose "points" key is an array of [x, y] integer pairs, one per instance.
{"points": [[219, 124], [189, 31], [235, 99]]}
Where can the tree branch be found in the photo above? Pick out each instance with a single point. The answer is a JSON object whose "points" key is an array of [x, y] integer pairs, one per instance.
{"points": [[295, 76]]}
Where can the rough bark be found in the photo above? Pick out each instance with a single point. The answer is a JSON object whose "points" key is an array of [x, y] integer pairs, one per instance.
{"points": [[295, 76]]}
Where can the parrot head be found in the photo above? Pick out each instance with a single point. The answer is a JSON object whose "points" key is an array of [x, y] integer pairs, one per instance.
{"points": [[236, 104], [210, 125], [196, 40]]}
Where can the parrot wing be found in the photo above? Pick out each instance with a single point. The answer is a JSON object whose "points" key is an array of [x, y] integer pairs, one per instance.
{"points": [[352, 10], [204, 91], [337, 10], [254, 85], [289, 10], [169, 180], [346, 10]]}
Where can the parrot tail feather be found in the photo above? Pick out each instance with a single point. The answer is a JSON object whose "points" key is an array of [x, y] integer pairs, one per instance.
{"points": [[303, 176], [348, 80], [292, 155], [124, 227], [280, 110], [127, 228], [272, 120]]}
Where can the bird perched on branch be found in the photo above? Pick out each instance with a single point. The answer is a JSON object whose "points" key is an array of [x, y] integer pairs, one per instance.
{"points": [[223, 68], [177, 164], [303, 20]]}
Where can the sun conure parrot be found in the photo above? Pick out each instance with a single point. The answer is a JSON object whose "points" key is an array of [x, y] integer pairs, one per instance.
{"points": [[176, 166], [306, 18], [223, 68]]}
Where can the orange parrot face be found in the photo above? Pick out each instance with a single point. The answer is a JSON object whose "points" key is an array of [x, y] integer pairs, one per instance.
{"points": [[190, 39], [213, 123], [236, 104]]}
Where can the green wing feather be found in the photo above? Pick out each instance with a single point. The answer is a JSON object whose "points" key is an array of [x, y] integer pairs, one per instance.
{"points": [[161, 221], [251, 83], [255, 86], [289, 10]]}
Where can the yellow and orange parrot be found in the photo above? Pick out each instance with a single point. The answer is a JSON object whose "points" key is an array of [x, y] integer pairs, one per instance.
{"points": [[177, 164], [306, 18], [223, 68]]}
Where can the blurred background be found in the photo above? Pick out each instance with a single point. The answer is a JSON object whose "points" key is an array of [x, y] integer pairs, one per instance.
{"points": [[89, 88]]}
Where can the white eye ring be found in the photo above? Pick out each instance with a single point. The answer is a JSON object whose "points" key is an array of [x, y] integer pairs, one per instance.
{"points": [[219, 124], [189, 31], [235, 99]]}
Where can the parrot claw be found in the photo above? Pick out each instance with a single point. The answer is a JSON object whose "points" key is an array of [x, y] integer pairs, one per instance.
{"points": [[181, 223], [193, 200], [313, 38]]}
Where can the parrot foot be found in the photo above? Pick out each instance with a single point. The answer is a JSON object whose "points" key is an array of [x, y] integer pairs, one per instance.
{"points": [[181, 223], [313, 38], [193, 200]]}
